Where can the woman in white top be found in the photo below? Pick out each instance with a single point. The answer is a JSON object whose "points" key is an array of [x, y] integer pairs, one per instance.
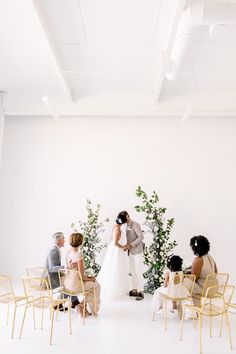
{"points": [[202, 265], [114, 273], [171, 287], [75, 263]]}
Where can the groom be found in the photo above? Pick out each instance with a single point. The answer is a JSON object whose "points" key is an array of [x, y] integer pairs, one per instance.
{"points": [[134, 247]]}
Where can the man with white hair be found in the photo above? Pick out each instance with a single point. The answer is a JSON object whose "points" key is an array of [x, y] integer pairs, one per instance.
{"points": [[53, 264]]}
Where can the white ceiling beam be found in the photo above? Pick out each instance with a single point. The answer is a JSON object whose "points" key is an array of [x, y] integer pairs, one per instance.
{"points": [[165, 55], [2, 121], [62, 79]]}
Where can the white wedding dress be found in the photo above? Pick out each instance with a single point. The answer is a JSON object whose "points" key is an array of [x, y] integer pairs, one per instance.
{"points": [[114, 274]]}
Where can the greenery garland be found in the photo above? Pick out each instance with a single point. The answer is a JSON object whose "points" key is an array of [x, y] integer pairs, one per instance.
{"points": [[156, 255], [92, 230]]}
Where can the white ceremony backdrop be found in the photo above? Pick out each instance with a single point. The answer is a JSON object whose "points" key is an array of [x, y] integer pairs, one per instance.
{"points": [[50, 167]]}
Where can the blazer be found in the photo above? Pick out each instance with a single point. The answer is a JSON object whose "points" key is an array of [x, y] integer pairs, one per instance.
{"points": [[134, 237], [53, 264]]}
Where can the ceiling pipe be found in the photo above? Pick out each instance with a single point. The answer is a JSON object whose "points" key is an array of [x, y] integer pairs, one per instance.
{"points": [[188, 111], [50, 107], [205, 13], [165, 59], [37, 8]]}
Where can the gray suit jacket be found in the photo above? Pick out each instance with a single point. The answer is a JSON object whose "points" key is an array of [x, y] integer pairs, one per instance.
{"points": [[134, 236], [53, 264]]}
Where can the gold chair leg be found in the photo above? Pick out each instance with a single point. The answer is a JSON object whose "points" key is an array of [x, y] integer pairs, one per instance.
{"points": [[200, 331], [69, 316], [51, 329], [50, 313], [210, 319], [229, 329], [42, 317], [221, 324], [8, 306], [180, 309], [182, 324], [210, 326], [23, 321], [194, 322], [33, 309], [14, 320], [165, 314]]}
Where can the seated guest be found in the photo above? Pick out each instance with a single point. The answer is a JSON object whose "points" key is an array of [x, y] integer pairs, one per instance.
{"points": [[173, 285], [202, 265], [75, 262], [53, 264]]}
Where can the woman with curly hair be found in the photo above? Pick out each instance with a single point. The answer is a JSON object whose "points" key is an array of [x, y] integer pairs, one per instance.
{"points": [[202, 265]]}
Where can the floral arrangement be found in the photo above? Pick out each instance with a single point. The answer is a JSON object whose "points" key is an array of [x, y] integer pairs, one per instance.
{"points": [[156, 255], [92, 230]]}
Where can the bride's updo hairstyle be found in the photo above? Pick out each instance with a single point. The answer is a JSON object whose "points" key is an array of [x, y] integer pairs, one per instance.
{"points": [[121, 219], [76, 240]]}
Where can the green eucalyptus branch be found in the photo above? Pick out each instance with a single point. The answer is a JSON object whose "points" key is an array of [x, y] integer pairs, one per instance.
{"points": [[156, 255], [92, 229]]}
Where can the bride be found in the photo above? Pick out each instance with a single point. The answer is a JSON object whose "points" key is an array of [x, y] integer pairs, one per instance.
{"points": [[114, 274]]}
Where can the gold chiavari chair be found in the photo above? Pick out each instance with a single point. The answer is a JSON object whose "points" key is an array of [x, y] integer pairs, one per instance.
{"points": [[8, 296], [185, 280], [41, 272], [232, 307], [39, 295], [218, 306], [217, 282], [213, 279], [77, 278]]}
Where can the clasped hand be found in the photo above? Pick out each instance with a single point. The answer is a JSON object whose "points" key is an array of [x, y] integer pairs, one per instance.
{"points": [[127, 247]]}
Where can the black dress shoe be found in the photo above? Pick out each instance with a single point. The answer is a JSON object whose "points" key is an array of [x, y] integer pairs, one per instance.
{"points": [[74, 303], [140, 296], [133, 293], [61, 308]]}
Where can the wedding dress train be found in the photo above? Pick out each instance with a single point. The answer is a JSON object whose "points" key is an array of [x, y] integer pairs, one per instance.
{"points": [[114, 274]]}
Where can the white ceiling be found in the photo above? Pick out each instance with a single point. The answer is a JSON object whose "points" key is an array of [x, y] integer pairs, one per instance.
{"points": [[107, 55]]}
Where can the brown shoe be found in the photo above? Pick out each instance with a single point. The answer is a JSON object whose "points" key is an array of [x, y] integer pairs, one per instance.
{"points": [[74, 304], [61, 308], [139, 297], [133, 293]]}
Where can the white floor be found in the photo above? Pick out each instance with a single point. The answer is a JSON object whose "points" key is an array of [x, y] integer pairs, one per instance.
{"points": [[121, 327]]}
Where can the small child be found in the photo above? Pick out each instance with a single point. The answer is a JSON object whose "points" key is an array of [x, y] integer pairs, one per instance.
{"points": [[173, 285]]}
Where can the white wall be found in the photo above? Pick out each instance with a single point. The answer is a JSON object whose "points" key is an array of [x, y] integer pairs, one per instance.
{"points": [[50, 167]]}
